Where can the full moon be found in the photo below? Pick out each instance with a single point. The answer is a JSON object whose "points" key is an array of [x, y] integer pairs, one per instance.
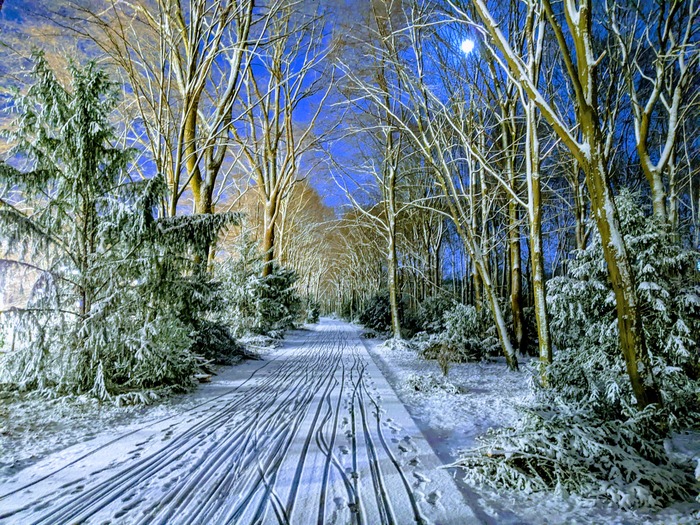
{"points": [[467, 46]]}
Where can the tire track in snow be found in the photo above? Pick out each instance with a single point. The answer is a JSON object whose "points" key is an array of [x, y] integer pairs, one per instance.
{"points": [[301, 438]]}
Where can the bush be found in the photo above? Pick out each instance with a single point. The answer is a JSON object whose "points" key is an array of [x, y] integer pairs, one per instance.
{"points": [[277, 303], [313, 312], [569, 449], [431, 384], [590, 368], [255, 304], [584, 433], [463, 338], [376, 315], [430, 317]]}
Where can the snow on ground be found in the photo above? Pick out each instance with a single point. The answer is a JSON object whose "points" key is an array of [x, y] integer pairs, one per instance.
{"points": [[476, 396], [311, 433], [32, 426], [319, 397]]}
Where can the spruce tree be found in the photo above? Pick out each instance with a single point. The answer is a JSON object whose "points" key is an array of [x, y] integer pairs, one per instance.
{"points": [[122, 305]]}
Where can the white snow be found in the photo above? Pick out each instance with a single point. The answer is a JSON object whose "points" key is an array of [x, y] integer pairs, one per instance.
{"points": [[312, 432], [255, 442], [490, 398]]}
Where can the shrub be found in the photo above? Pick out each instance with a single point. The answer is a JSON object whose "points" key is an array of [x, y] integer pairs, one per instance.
{"points": [[255, 304], [431, 384], [430, 317], [313, 312], [584, 433], [463, 338], [376, 315]]}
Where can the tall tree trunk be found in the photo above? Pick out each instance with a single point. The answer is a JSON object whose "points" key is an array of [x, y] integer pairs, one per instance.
{"points": [[539, 292], [268, 240], [629, 318], [393, 282], [516, 284]]}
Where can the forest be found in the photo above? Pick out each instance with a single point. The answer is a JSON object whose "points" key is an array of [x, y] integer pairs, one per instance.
{"points": [[472, 181]]}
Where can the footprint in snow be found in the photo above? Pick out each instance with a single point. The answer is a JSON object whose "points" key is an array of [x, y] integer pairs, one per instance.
{"points": [[344, 450], [433, 497], [421, 479]]}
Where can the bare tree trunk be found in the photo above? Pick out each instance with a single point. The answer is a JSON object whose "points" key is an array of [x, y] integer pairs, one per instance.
{"points": [[268, 240], [516, 283], [393, 281], [590, 153], [532, 166], [539, 293]]}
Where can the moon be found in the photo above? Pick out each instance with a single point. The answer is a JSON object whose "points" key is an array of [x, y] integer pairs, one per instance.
{"points": [[467, 46]]}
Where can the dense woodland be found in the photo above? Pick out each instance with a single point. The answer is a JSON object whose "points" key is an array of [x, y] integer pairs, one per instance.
{"points": [[180, 174]]}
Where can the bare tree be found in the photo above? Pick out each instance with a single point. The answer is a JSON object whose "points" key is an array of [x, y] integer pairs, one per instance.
{"points": [[183, 62], [271, 139], [419, 115], [589, 149], [658, 46]]}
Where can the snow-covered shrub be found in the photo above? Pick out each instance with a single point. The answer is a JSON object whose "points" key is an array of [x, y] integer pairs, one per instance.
{"points": [[253, 304], [312, 312], [430, 384], [278, 304], [462, 332], [431, 313], [589, 367], [584, 433], [462, 339], [120, 298], [376, 315], [569, 449]]}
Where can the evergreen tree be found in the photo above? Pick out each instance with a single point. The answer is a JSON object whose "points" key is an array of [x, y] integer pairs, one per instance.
{"points": [[121, 304], [256, 304], [585, 433]]}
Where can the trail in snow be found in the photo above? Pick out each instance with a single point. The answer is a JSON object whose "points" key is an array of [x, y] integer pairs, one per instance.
{"points": [[313, 435]]}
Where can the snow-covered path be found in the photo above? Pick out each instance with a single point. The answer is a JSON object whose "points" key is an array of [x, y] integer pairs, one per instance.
{"points": [[314, 434]]}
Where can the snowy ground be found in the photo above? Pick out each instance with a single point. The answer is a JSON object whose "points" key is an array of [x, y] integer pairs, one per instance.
{"points": [[311, 433], [487, 395]]}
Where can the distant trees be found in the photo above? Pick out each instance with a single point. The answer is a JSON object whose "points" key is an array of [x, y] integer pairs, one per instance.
{"points": [[270, 140]]}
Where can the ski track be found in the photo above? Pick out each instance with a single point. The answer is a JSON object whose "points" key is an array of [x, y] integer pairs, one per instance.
{"points": [[313, 435]]}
